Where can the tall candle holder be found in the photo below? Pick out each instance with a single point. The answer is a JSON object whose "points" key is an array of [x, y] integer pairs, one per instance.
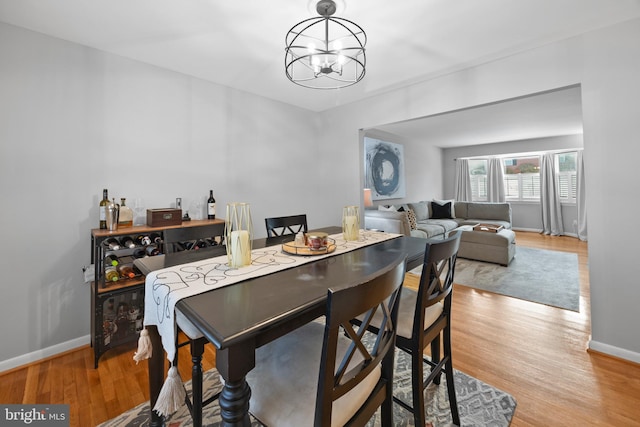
{"points": [[238, 234], [350, 223]]}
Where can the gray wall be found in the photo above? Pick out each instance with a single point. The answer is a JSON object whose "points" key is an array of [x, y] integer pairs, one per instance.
{"points": [[423, 171], [526, 215], [74, 120], [605, 63]]}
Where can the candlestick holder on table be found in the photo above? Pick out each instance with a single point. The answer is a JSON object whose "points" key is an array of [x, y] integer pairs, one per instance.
{"points": [[238, 234], [350, 223]]}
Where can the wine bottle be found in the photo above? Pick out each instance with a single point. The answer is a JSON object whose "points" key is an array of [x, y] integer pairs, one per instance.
{"points": [[103, 209], [200, 244], [111, 260], [143, 240], [155, 238], [139, 253], [111, 274], [152, 250], [112, 243], [127, 242], [211, 206], [125, 218], [126, 271]]}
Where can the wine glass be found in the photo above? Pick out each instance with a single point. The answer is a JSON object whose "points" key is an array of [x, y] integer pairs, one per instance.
{"points": [[139, 211]]}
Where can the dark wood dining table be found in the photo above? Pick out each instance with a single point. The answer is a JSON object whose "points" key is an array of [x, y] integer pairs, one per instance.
{"points": [[241, 317]]}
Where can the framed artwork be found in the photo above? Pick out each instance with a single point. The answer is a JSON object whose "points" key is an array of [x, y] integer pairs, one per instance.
{"points": [[384, 169]]}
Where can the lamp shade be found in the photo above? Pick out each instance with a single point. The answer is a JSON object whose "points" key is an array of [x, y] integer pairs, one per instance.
{"points": [[367, 198]]}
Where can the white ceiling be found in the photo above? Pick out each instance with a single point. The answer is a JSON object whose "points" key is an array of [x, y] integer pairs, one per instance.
{"points": [[537, 116], [240, 44]]}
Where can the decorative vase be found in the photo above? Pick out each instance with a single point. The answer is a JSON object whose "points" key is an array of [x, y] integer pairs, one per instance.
{"points": [[350, 223], [238, 234]]}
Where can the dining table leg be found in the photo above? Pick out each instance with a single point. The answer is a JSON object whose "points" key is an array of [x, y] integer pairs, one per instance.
{"points": [[234, 363], [156, 375]]}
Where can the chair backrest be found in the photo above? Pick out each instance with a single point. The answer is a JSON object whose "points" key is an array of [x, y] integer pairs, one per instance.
{"points": [[436, 280], [340, 370], [177, 239], [283, 225]]}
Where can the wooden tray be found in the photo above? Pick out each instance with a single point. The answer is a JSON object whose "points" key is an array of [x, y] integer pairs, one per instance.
{"points": [[293, 249], [491, 228]]}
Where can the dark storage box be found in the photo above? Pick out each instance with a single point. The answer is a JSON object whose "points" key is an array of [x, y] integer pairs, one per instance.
{"points": [[164, 217]]}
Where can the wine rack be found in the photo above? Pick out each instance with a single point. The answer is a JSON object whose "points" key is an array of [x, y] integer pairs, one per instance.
{"points": [[117, 307]]}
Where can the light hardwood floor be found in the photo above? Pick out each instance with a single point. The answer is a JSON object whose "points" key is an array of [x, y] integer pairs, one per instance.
{"points": [[534, 352]]}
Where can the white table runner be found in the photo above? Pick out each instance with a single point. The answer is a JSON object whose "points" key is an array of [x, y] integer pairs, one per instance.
{"points": [[164, 288]]}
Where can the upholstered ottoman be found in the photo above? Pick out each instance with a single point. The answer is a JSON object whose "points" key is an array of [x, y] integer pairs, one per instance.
{"points": [[499, 248]]}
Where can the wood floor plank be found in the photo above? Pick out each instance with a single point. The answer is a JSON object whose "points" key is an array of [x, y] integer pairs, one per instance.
{"points": [[535, 352]]}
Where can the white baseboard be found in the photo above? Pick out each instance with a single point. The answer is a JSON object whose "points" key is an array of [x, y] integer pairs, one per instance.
{"points": [[35, 356], [532, 230], [611, 350], [537, 230]]}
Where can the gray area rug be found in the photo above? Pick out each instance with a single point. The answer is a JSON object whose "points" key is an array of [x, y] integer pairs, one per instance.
{"points": [[480, 404], [537, 275]]}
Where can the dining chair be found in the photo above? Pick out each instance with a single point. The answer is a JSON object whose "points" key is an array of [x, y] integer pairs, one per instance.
{"points": [[284, 225], [423, 318], [174, 240], [330, 373]]}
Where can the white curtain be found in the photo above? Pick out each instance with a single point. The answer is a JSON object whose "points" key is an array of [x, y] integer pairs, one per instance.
{"points": [[549, 197], [495, 181], [581, 199], [463, 181]]}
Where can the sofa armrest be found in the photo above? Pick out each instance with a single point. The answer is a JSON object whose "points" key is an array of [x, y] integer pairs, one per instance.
{"points": [[387, 221]]}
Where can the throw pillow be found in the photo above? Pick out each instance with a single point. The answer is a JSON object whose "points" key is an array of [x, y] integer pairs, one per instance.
{"points": [[421, 210], [412, 219], [442, 202], [439, 211], [386, 208]]}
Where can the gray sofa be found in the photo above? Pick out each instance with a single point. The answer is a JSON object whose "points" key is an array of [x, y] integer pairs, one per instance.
{"points": [[432, 225], [435, 221]]}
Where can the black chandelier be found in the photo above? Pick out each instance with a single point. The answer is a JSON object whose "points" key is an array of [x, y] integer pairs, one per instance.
{"points": [[325, 52]]}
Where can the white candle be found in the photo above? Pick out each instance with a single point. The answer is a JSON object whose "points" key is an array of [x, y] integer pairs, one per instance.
{"points": [[351, 227], [240, 248]]}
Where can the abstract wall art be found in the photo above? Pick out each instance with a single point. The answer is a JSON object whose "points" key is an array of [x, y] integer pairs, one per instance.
{"points": [[384, 169]]}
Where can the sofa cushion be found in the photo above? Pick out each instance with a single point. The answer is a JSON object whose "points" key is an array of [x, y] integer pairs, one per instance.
{"points": [[439, 211], [419, 233], [486, 210], [460, 209], [421, 209], [437, 227]]}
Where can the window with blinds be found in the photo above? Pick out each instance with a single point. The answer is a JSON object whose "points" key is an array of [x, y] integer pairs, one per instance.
{"points": [[522, 177], [567, 176], [478, 174]]}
